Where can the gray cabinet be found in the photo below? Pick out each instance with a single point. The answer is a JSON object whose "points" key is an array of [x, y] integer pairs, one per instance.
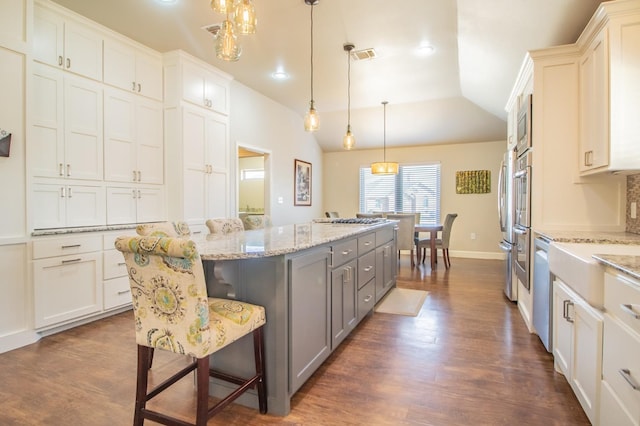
{"points": [[386, 263], [310, 313], [343, 301]]}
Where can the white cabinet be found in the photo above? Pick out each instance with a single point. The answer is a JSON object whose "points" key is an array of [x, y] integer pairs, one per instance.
{"points": [[67, 276], [133, 139], [620, 398], [609, 87], [14, 21], [135, 205], [133, 69], [66, 44], [577, 346], [197, 166], [57, 205], [191, 80], [66, 129], [117, 291]]}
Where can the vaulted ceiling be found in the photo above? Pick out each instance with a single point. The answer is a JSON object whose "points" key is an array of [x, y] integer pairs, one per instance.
{"points": [[455, 94]]}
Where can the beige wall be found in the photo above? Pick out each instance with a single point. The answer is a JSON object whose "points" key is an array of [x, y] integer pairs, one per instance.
{"points": [[251, 192], [477, 213]]}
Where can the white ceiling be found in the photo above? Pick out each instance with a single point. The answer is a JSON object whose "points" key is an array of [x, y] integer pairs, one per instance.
{"points": [[457, 94]]}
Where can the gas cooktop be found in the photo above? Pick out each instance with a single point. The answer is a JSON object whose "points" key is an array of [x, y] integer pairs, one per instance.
{"points": [[359, 220]]}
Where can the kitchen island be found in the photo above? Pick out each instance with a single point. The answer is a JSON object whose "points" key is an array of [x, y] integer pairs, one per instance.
{"points": [[317, 281]]}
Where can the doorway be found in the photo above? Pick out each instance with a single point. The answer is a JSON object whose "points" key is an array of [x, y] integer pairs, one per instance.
{"points": [[253, 176]]}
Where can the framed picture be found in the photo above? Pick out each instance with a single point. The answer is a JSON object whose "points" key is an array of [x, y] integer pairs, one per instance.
{"points": [[301, 183]]}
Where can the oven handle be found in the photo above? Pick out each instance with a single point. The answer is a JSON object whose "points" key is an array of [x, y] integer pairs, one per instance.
{"points": [[520, 230]]}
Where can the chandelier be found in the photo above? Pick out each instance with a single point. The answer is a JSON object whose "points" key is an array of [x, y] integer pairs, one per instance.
{"points": [[240, 19], [385, 167]]}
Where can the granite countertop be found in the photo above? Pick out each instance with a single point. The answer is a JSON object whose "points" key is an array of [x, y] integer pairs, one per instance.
{"points": [[63, 231], [590, 237], [627, 264], [276, 240]]}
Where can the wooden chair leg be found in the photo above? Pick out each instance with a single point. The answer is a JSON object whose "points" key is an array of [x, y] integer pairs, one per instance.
{"points": [[151, 352], [202, 379], [412, 263], [144, 356], [258, 349]]}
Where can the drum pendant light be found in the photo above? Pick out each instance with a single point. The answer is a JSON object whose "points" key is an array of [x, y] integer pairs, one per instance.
{"points": [[385, 167], [349, 141], [311, 120]]}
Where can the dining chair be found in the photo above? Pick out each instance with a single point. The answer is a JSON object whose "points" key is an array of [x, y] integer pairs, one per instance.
{"points": [[368, 215], [256, 221], [164, 229], [172, 312], [224, 225], [441, 243], [331, 214], [406, 228]]}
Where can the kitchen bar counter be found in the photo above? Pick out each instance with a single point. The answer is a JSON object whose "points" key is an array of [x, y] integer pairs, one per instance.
{"points": [[590, 237], [629, 265]]}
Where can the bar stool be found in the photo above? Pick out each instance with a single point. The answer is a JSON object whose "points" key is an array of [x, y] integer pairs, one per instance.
{"points": [[224, 225], [172, 312], [164, 229]]}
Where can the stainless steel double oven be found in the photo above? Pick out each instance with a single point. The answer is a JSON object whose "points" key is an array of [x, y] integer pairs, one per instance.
{"points": [[522, 189]]}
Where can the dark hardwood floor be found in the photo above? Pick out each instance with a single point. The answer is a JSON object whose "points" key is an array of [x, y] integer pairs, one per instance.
{"points": [[467, 359]]}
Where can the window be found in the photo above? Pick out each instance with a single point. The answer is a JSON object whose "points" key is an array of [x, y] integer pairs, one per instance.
{"points": [[251, 174], [415, 188]]}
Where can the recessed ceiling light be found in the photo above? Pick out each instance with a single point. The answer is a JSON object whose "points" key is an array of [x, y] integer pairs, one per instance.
{"points": [[279, 75], [425, 49], [167, 1]]}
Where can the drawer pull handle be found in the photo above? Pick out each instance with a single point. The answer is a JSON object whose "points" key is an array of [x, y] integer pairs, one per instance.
{"points": [[626, 374], [72, 246], [122, 263], [346, 252], [368, 268], [72, 260], [368, 243], [565, 310], [120, 293], [628, 309], [368, 298]]}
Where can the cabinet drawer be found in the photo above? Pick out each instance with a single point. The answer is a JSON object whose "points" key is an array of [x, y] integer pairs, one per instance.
{"points": [[66, 245], [366, 268], [117, 292], [622, 299], [366, 299], [611, 410], [109, 238], [620, 360], [366, 243], [114, 265], [384, 235], [344, 252]]}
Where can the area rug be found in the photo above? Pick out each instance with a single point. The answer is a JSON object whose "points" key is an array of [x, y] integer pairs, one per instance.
{"points": [[402, 301]]}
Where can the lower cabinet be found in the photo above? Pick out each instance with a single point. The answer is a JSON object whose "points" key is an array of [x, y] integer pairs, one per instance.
{"points": [[115, 285], [577, 346], [385, 269], [310, 314], [67, 276], [344, 309]]}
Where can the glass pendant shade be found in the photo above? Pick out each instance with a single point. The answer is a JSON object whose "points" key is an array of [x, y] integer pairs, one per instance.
{"points": [[227, 46], [223, 6], [349, 141], [384, 168], [311, 120], [245, 17]]}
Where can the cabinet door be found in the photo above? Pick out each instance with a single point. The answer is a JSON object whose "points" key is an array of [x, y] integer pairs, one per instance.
{"points": [[66, 288], [119, 136], [594, 105], [215, 93], [119, 65], [193, 84], [48, 206], [149, 75], [149, 141], [563, 308], [195, 171], [310, 325], [344, 309], [384, 270], [85, 205], [587, 359], [47, 122], [150, 205], [83, 129], [121, 205], [48, 37], [82, 50]]}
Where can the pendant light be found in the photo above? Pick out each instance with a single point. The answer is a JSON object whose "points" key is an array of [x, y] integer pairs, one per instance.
{"points": [[227, 47], [385, 167], [223, 6], [245, 17], [349, 141], [311, 119]]}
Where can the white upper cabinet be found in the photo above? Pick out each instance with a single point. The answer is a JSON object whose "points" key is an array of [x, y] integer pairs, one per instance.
{"points": [[191, 80], [609, 88], [66, 44], [66, 126], [133, 69], [14, 21], [133, 138]]}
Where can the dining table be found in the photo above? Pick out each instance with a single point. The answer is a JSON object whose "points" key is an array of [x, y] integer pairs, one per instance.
{"points": [[432, 229]]}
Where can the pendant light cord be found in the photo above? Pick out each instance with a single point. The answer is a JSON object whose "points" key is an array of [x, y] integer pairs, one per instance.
{"points": [[311, 54], [384, 132], [349, 90]]}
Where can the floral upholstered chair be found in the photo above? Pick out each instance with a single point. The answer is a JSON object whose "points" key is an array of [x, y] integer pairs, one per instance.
{"points": [[164, 229], [256, 221], [224, 225], [172, 312]]}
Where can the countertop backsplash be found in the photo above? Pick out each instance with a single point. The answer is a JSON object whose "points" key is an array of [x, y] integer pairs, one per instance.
{"points": [[633, 195]]}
